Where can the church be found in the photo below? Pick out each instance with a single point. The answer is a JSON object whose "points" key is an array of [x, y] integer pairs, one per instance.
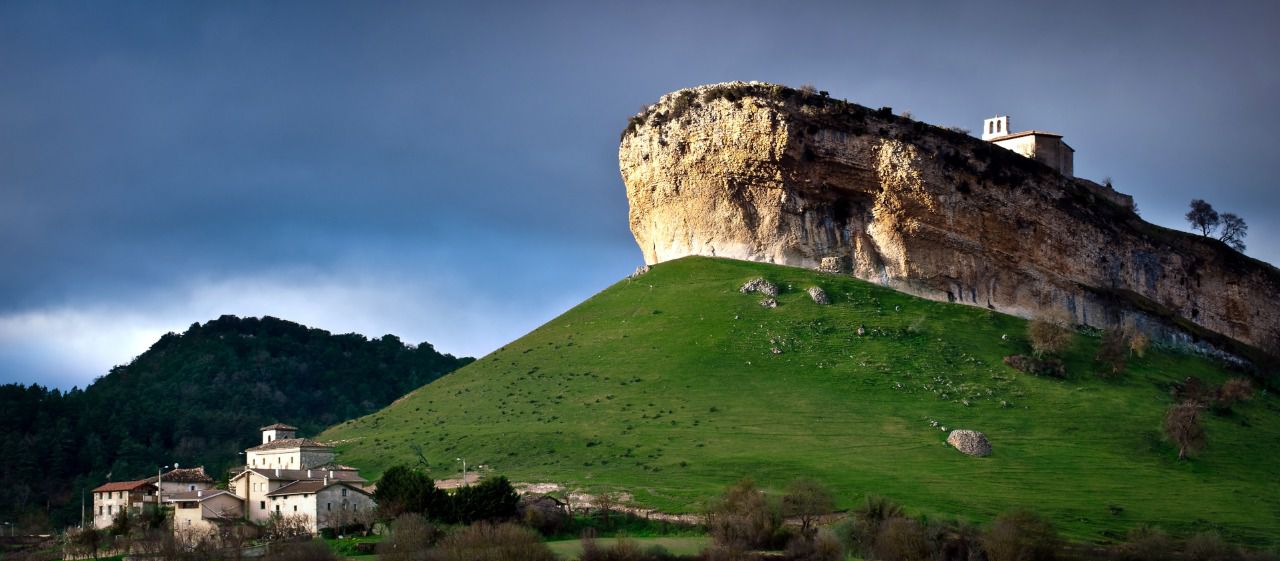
{"points": [[1044, 147]]}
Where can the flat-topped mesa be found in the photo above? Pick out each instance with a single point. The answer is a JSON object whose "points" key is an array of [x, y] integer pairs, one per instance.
{"points": [[762, 172]]}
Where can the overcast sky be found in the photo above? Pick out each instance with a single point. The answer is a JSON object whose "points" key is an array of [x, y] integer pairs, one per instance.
{"points": [[448, 173]]}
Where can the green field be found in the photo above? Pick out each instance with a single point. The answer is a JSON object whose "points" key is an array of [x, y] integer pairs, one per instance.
{"points": [[667, 387]]}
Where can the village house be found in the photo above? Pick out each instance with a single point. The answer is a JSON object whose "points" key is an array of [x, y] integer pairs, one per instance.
{"points": [[184, 479], [202, 512], [290, 476], [284, 475], [111, 499], [1045, 147]]}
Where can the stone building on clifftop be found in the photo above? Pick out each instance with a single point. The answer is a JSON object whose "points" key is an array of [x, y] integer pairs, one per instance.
{"points": [[1045, 147]]}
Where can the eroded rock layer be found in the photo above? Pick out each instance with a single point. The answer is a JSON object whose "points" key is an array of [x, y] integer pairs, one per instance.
{"points": [[766, 173]]}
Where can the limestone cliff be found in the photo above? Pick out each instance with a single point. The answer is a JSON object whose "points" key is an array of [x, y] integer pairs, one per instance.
{"points": [[767, 173]]}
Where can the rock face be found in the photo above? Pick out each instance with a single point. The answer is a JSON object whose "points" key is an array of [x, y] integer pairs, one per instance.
{"points": [[765, 173], [970, 442]]}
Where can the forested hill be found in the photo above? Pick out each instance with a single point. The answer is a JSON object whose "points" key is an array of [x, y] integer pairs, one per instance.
{"points": [[194, 398]]}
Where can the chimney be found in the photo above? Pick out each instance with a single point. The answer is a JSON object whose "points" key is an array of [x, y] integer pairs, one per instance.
{"points": [[199, 494], [308, 474], [330, 473], [326, 482], [277, 472]]}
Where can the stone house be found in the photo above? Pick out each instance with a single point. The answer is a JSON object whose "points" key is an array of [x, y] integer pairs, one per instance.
{"points": [[184, 479], [1044, 147], [113, 498], [201, 512], [322, 504], [293, 476]]}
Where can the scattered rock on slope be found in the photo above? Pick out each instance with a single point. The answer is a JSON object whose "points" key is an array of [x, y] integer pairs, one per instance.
{"points": [[970, 442], [819, 296], [760, 285]]}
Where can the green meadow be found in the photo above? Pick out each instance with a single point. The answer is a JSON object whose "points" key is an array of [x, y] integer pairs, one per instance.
{"points": [[672, 385]]}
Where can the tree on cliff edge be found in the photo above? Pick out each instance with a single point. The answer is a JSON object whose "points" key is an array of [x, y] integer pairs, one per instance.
{"points": [[1204, 218]]}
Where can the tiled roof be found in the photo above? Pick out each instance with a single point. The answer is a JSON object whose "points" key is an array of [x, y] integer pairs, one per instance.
{"points": [[198, 495], [1024, 133], [290, 443], [121, 486], [306, 475], [307, 487], [184, 475], [279, 426]]}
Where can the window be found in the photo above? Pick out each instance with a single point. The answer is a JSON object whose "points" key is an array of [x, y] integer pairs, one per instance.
{"points": [[277, 508], [262, 505], [108, 509], [344, 492], [328, 506], [295, 508], [99, 510], [191, 488]]}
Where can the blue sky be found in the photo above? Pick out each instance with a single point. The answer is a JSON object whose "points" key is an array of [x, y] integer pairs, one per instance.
{"points": [[448, 173]]}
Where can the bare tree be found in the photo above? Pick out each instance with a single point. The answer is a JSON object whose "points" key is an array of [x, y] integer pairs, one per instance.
{"points": [[1048, 336], [806, 500], [1233, 231], [1182, 426], [1202, 217]]}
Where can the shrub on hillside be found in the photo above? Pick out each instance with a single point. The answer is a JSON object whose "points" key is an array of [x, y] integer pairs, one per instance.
{"points": [[1182, 425], [410, 538], [493, 499], [485, 541], [625, 549], [902, 539], [1145, 543], [1050, 367], [806, 500], [867, 519], [1208, 546], [953, 540], [1048, 337], [824, 545], [742, 517], [1113, 353], [404, 489], [297, 551], [1020, 535], [1234, 391]]}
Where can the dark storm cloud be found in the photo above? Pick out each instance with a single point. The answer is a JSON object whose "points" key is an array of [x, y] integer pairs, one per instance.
{"points": [[161, 163]]}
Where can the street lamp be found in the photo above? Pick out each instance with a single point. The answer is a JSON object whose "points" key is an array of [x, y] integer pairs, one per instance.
{"points": [[464, 471]]}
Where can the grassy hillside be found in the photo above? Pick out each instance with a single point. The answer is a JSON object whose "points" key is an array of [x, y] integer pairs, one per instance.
{"points": [[667, 387]]}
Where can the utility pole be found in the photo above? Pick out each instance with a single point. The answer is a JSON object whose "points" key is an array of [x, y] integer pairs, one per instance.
{"points": [[464, 471]]}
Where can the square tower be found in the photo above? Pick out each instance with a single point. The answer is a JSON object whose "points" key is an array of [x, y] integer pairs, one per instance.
{"points": [[995, 127], [278, 431]]}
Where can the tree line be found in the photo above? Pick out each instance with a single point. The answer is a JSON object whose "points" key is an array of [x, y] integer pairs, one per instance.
{"points": [[195, 398]]}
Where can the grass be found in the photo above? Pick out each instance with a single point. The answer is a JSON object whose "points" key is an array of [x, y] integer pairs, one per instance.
{"points": [[666, 387], [571, 549], [346, 547]]}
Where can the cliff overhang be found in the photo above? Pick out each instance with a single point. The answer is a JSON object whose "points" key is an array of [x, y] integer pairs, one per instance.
{"points": [[764, 172]]}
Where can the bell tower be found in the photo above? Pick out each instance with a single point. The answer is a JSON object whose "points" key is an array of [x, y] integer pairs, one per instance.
{"points": [[995, 127], [278, 431]]}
